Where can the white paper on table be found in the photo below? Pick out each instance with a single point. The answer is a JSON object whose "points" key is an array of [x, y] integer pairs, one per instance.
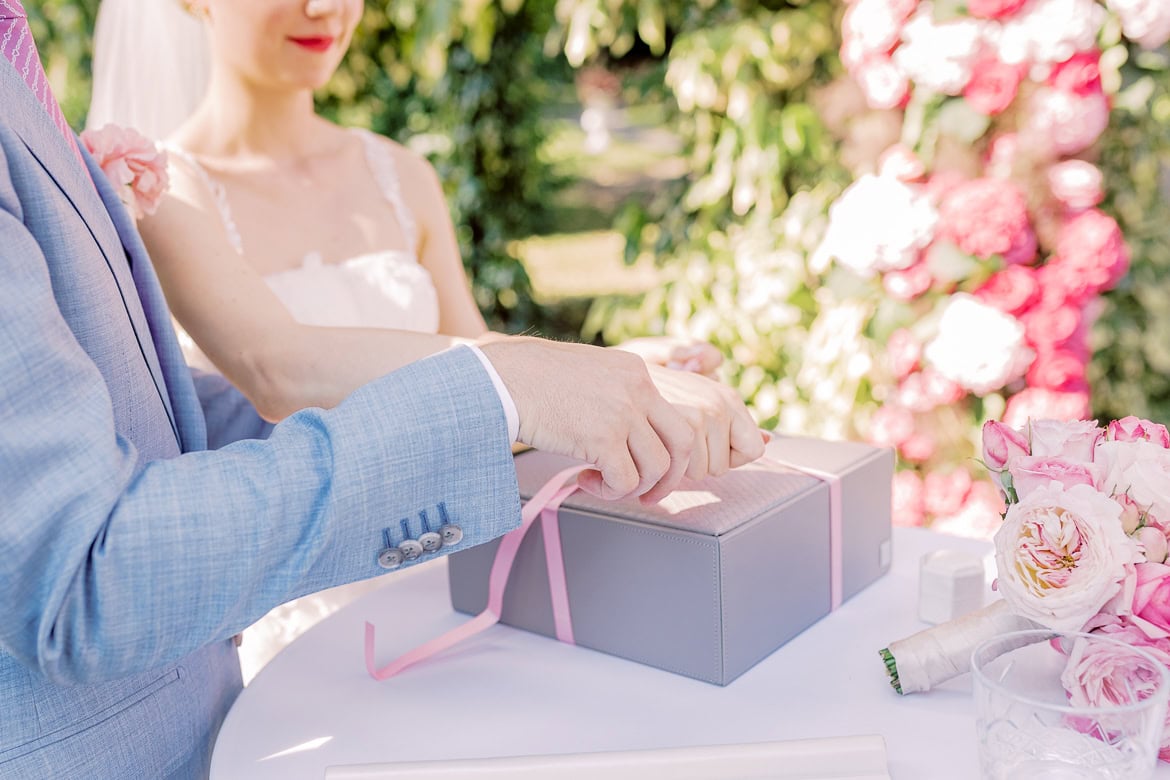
{"points": [[837, 758]]}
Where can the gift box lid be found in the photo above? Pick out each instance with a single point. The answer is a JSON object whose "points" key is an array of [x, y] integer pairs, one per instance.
{"points": [[714, 506]]}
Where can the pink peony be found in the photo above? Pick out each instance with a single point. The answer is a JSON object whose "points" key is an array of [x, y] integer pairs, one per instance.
{"points": [[993, 85], [1076, 184], [1079, 74], [903, 351], [1092, 248], [1105, 674], [1058, 369], [1050, 327], [988, 217], [1002, 444], [1030, 472], [908, 499], [1136, 429], [1125, 631], [945, 493], [1039, 402], [134, 165], [994, 9], [1011, 290], [1061, 122], [1061, 284]]}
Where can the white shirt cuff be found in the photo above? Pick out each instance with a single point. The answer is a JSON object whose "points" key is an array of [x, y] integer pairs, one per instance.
{"points": [[511, 416]]}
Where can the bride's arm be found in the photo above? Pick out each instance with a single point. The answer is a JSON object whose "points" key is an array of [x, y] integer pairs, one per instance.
{"points": [[281, 365], [438, 248]]}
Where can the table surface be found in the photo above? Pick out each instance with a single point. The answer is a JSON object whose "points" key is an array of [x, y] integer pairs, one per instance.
{"points": [[509, 692]]}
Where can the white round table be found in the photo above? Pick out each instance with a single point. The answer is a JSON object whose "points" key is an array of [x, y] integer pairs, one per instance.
{"points": [[507, 692]]}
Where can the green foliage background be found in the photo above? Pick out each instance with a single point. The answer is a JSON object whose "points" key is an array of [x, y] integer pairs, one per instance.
{"points": [[468, 82]]}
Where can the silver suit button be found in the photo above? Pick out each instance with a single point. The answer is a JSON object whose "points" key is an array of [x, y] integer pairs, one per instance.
{"points": [[410, 549], [390, 558], [430, 541], [452, 534]]}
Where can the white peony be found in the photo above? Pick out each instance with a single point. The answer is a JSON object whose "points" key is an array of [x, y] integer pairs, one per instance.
{"points": [[978, 346], [939, 57], [1047, 32], [878, 224], [1061, 555], [1144, 21], [1141, 470]]}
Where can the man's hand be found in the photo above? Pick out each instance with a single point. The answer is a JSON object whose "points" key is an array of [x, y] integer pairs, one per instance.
{"points": [[603, 407]]}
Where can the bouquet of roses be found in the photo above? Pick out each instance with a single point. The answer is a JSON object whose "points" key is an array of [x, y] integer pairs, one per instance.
{"points": [[1082, 547]]}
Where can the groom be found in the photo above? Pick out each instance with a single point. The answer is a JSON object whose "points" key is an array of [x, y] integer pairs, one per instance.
{"points": [[146, 518]]}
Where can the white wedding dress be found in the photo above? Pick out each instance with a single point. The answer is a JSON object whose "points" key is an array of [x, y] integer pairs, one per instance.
{"points": [[387, 289]]}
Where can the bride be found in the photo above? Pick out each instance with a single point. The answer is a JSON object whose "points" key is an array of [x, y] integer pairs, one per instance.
{"points": [[302, 258]]}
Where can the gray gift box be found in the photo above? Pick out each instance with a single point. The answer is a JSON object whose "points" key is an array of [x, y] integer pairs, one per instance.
{"points": [[711, 580]]}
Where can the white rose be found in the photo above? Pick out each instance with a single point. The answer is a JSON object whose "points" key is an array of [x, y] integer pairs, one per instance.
{"points": [[1048, 31], [939, 57], [1061, 555], [1149, 484], [978, 346], [1120, 459]]}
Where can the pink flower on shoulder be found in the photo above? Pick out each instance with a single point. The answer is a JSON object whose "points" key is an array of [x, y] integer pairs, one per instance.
{"points": [[134, 165]]}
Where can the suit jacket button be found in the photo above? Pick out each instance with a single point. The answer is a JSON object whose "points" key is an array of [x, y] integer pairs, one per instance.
{"points": [[390, 558], [430, 541], [452, 534], [410, 549]]}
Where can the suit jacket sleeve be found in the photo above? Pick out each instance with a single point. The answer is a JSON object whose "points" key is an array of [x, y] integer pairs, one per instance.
{"points": [[229, 415], [109, 568]]}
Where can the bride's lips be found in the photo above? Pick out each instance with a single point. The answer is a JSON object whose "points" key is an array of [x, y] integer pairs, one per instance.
{"points": [[313, 43]]}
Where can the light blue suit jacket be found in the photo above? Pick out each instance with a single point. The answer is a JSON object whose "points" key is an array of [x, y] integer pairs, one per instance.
{"points": [[129, 553]]}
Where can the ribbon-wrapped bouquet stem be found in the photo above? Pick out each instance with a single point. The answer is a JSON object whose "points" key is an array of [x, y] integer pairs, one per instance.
{"points": [[1083, 547]]}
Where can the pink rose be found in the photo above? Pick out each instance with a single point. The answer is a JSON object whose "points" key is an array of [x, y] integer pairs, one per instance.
{"points": [[903, 351], [908, 506], [133, 164], [1029, 472], [1062, 283], [1012, 290], [993, 85], [1072, 440], [945, 493], [919, 448], [1076, 184], [890, 426], [908, 284], [1001, 444], [1136, 429], [1039, 402], [1079, 74], [1092, 246], [988, 217], [1104, 674], [1153, 542], [1151, 599], [1058, 369], [994, 9]]}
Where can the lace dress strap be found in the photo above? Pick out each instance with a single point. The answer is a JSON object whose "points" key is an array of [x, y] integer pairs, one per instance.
{"points": [[218, 194], [385, 172]]}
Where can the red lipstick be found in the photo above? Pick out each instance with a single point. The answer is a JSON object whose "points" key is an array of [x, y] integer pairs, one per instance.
{"points": [[316, 43]]}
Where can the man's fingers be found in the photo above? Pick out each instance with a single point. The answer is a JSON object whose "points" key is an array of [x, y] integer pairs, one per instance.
{"points": [[650, 456], [678, 438], [747, 442], [718, 445]]}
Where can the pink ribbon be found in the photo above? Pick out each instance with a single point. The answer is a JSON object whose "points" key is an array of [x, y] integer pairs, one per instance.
{"points": [[543, 504], [836, 575]]}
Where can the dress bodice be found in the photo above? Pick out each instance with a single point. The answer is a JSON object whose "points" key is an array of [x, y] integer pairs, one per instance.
{"points": [[382, 289]]}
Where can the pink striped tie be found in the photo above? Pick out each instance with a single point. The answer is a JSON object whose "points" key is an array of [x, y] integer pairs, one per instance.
{"points": [[19, 48]]}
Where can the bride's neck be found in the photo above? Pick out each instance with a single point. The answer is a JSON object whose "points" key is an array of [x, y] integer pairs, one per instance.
{"points": [[238, 119]]}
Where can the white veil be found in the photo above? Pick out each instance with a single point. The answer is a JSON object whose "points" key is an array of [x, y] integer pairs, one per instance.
{"points": [[151, 64]]}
